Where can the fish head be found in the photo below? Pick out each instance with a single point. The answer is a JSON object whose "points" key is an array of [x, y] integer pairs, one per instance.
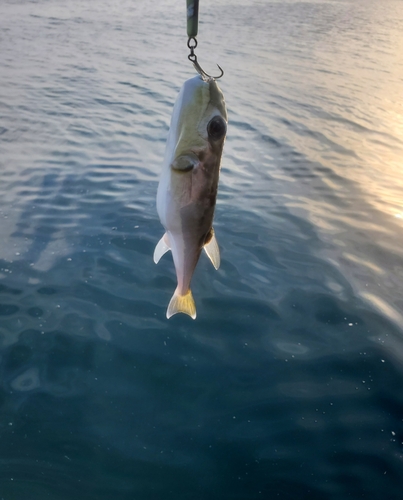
{"points": [[199, 120], [194, 149]]}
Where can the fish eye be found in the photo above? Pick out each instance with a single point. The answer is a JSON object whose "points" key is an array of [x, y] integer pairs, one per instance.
{"points": [[217, 128]]}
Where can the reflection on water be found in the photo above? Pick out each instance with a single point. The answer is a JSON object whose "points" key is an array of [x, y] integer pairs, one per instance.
{"points": [[289, 383]]}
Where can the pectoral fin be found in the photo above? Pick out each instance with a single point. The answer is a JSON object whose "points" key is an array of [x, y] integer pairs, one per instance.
{"points": [[212, 250], [182, 304], [162, 247]]}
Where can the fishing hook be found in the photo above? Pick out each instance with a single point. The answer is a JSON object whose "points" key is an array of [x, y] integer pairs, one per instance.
{"points": [[193, 58]]}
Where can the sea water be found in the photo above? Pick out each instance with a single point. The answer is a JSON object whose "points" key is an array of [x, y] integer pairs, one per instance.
{"points": [[289, 384]]}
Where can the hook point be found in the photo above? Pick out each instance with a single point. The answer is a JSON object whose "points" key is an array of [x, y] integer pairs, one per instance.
{"points": [[201, 71]]}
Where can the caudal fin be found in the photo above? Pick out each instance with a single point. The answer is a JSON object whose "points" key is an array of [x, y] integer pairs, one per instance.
{"points": [[182, 304]]}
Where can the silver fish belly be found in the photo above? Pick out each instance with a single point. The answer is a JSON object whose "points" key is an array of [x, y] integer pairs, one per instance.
{"points": [[187, 189]]}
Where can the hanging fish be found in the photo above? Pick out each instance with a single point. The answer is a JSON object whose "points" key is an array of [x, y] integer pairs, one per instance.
{"points": [[188, 185]]}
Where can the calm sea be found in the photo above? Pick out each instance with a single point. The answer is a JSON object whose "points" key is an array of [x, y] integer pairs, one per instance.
{"points": [[289, 384]]}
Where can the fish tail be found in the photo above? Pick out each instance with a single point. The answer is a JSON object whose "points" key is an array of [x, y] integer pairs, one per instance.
{"points": [[182, 304]]}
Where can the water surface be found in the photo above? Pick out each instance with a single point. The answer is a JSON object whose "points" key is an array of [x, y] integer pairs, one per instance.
{"points": [[289, 384]]}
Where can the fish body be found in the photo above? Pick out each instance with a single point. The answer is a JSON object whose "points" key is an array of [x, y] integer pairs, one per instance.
{"points": [[188, 185]]}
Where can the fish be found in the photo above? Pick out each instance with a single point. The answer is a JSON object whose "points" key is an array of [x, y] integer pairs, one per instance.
{"points": [[187, 189]]}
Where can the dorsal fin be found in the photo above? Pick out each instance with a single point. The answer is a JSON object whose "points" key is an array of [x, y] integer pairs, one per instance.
{"points": [[211, 248]]}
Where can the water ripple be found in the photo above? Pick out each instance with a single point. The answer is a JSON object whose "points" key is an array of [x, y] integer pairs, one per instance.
{"points": [[294, 362]]}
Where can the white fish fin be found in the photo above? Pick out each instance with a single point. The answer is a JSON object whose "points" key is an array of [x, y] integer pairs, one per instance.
{"points": [[182, 304], [212, 250], [162, 247]]}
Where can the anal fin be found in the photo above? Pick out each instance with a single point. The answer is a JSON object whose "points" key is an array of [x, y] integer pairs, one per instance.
{"points": [[182, 304], [212, 250], [162, 248]]}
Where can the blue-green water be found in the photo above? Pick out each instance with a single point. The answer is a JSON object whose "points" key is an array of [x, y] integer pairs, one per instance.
{"points": [[290, 382]]}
